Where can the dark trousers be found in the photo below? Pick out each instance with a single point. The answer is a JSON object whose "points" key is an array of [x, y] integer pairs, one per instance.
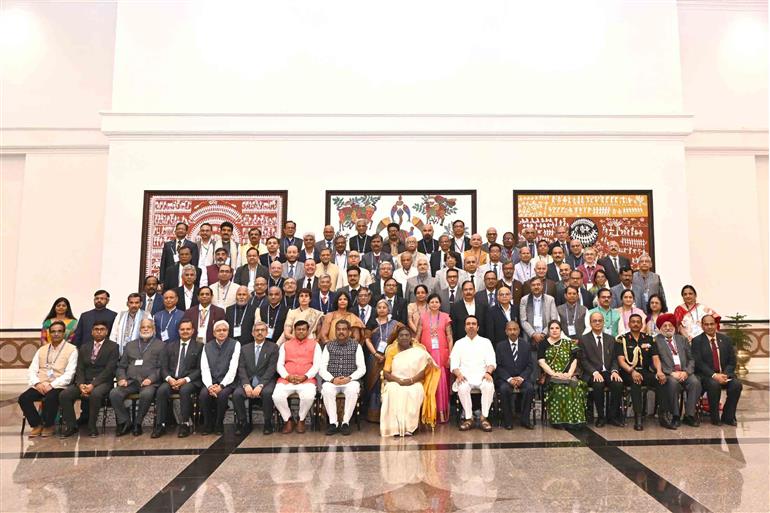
{"points": [[118, 396], [94, 401], [648, 380], [714, 391], [50, 406], [508, 398], [597, 394], [239, 403], [213, 409], [187, 392]]}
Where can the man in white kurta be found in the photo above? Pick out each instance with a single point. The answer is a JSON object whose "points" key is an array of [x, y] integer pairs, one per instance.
{"points": [[472, 362]]}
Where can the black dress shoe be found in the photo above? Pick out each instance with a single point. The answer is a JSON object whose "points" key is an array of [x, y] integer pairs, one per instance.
{"points": [[617, 422], [123, 429], [527, 425], [206, 430], [239, 428], [268, 429], [137, 431], [691, 421], [600, 422], [158, 431], [345, 429], [93, 433], [331, 430], [68, 432], [666, 424], [219, 430], [184, 431], [716, 421], [638, 423], [508, 426], [82, 420], [731, 422]]}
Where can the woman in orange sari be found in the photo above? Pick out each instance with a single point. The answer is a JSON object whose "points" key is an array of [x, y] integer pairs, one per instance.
{"points": [[341, 311]]}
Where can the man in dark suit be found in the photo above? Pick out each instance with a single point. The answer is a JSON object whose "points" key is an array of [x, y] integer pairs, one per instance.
{"points": [[97, 361], [152, 302], [561, 242], [464, 307], [600, 368], [173, 274], [371, 260], [323, 298], [273, 313], [438, 257], [257, 375], [204, 315], [552, 272], [273, 254], [428, 245], [328, 239], [452, 293], [364, 310], [309, 251], [288, 239], [676, 373], [378, 287], [361, 241], [88, 319], [714, 356], [396, 304], [499, 315], [238, 317], [576, 280], [575, 257], [394, 245], [187, 294], [460, 242], [513, 374], [488, 295], [310, 280], [530, 240], [613, 263], [181, 374], [170, 254], [247, 273]]}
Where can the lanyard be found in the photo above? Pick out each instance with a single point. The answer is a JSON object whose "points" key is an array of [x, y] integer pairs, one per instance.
{"points": [[141, 351], [261, 300], [574, 315], [170, 318], [55, 357], [358, 243], [324, 305], [269, 311], [219, 291], [694, 316], [461, 248], [434, 325], [235, 310], [383, 336]]}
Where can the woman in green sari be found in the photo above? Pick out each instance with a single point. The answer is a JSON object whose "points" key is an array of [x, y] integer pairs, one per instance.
{"points": [[565, 394]]}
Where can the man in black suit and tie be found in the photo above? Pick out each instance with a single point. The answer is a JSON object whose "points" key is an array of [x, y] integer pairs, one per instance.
{"points": [[428, 245], [396, 304], [513, 374], [613, 263], [464, 307], [600, 368], [714, 356], [309, 252], [323, 298], [273, 313], [188, 292], [173, 274], [309, 280], [97, 361], [273, 254], [247, 273], [181, 374], [89, 318], [499, 315], [488, 295], [561, 242], [377, 288], [256, 375], [530, 240], [452, 293], [576, 280], [361, 241], [170, 254], [288, 239], [364, 309], [238, 317], [152, 302]]}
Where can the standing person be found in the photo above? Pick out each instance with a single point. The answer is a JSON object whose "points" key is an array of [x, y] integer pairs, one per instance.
{"points": [[342, 311], [229, 244], [170, 252], [60, 311], [647, 281], [626, 310], [415, 310], [51, 370], [288, 239], [361, 241], [690, 313], [435, 334], [565, 394], [614, 263], [655, 307], [127, 325], [205, 244], [172, 278], [168, 318], [219, 367], [204, 315], [99, 313], [151, 300]]}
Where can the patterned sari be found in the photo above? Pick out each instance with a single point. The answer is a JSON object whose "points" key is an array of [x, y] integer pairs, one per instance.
{"points": [[566, 404]]}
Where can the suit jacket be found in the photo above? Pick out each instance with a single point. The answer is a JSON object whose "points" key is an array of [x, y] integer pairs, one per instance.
{"points": [[242, 274], [429, 281], [352, 293], [332, 271], [299, 270], [275, 282], [377, 293], [180, 294], [617, 292], [579, 320], [172, 281], [189, 368], [591, 358], [315, 301], [285, 243], [266, 260], [496, 322], [277, 320], [426, 246], [264, 369], [157, 302], [704, 360], [303, 256], [466, 246], [573, 261], [549, 313], [150, 359], [549, 287], [168, 253], [666, 358], [321, 244], [586, 298], [553, 273], [215, 314], [513, 257], [368, 262], [653, 285], [507, 367], [86, 323], [459, 313], [444, 295], [613, 276], [246, 320], [102, 370], [400, 248], [362, 245], [555, 243], [399, 311], [301, 284]]}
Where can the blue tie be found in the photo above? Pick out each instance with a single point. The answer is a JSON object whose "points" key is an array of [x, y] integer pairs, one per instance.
{"points": [[257, 349]]}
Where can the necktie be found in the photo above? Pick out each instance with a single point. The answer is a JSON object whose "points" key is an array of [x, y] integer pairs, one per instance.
{"points": [[257, 350], [451, 296], [182, 354], [309, 283], [494, 268], [532, 249], [148, 309], [677, 367], [362, 314], [291, 270], [601, 350], [471, 278], [491, 299], [178, 245], [329, 244], [95, 351], [390, 305], [615, 263], [715, 356], [515, 347]]}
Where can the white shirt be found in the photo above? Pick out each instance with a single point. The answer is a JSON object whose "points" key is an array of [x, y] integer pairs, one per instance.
{"points": [[206, 255], [365, 278], [472, 356], [402, 276], [470, 307], [507, 312], [188, 297], [360, 364], [311, 373], [524, 272], [341, 260], [462, 276], [69, 371], [231, 369], [224, 296], [489, 266]]}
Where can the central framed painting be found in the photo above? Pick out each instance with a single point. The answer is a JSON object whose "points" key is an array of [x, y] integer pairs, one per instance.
{"points": [[411, 210]]}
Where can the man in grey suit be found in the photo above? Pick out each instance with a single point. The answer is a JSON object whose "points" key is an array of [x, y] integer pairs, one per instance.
{"points": [[256, 374], [648, 282], [247, 273], [452, 293], [138, 372], [536, 310], [423, 278], [600, 368], [327, 241], [676, 372], [292, 267], [371, 261], [572, 314], [626, 283]]}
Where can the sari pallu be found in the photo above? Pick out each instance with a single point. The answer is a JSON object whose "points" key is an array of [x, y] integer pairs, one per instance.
{"points": [[386, 331]]}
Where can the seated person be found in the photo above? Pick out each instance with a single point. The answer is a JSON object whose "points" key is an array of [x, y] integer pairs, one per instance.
{"points": [[472, 361], [256, 378], [52, 369], [411, 377], [97, 362], [299, 359], [219, 366], [138, 373], [600, 369], [565, 395], [676, 373], [514, 374], [181, 373], [342, 366], [635, 352]]}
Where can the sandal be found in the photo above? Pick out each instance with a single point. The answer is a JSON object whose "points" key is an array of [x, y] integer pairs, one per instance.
{"points": [[485, 425]]}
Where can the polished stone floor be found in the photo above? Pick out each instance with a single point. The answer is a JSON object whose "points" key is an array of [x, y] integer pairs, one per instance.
{"points": [[599, 469]]}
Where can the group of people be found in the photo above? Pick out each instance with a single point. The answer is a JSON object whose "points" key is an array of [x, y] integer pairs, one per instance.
{"points": [[390, 322]]}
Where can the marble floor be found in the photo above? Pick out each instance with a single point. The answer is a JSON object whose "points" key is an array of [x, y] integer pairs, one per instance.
{"points": [[705, 469]]}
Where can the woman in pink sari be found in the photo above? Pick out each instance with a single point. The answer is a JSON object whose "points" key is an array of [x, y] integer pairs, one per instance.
{"points": [[435, 333]]}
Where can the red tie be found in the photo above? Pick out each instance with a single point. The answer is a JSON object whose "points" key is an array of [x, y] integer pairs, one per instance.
{"points": [[715, 356], [677, 368]]}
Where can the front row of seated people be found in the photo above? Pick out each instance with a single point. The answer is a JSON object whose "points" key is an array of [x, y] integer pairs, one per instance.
{"points": [[407, 375]]}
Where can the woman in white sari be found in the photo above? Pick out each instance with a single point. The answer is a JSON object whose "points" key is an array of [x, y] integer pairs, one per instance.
{"points": [[410, 387]]}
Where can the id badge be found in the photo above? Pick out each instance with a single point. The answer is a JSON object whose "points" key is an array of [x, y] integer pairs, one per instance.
{"points": [[164, 335], [382, 346], [138, 362], [176, 258], [201, 339], [49, 373], [434, 342], [270, 333], [571, 330], [608, 330], [236, 331], [646, 296]]}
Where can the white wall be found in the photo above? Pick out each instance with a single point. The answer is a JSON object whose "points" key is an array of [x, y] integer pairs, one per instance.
{"points": [[12, 176]]}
